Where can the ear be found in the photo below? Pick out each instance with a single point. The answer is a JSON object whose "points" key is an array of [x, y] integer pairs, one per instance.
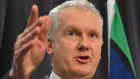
{"points": [[49, 47]]}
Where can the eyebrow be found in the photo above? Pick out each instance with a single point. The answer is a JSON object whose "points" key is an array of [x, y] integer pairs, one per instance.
{"points": [[73, 27]]}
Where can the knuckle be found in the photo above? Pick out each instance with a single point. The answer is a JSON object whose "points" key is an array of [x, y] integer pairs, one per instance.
{"points": [[16, 54], [23, 48], [15, 45], [23, 41], [19, 36], [25, 31]]}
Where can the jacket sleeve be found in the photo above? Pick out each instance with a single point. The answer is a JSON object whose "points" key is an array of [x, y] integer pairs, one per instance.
{"points": [[6, 76]]}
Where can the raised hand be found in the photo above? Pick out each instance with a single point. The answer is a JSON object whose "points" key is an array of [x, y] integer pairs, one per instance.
{"points": [[29, 49]]}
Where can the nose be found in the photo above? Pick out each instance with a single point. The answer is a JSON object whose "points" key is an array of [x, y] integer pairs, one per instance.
{"points": [[83, 44]]}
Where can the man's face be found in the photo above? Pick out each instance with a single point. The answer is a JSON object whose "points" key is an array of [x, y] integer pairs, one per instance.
{"points": [[76, 48]]}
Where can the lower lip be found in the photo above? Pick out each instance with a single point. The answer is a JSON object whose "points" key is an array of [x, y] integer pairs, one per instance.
{"points": [[82, 61]]}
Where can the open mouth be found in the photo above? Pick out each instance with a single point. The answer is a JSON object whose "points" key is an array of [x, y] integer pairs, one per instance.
{"points": [[82, 59]]}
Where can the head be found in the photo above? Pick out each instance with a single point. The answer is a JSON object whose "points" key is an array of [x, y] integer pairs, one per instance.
{"points": [[75, 39]]}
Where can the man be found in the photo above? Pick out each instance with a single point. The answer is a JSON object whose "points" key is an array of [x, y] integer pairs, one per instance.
{"points": [[74, 41]]}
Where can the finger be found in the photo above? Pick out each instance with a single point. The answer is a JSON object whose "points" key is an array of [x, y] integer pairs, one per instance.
{"points": [[46, 25], [28, 37], [18, 37], [22, 51], [44, 29], [33, 15], [29, 33], [39, 22]]}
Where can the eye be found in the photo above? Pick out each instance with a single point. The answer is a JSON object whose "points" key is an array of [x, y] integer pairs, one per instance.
{"points": [[71, 34], [92, 35]]}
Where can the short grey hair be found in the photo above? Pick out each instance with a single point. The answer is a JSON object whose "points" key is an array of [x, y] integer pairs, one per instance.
{"points": [[83, 4]]}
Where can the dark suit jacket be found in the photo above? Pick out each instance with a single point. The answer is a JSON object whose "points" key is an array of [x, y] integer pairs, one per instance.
{"points": [[6, 76]]}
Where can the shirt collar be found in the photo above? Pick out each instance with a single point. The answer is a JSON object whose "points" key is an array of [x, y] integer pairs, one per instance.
{"points": [[54, 76]]}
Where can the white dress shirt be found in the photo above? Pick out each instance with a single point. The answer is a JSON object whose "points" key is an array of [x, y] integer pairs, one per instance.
{"points": [[54, 76]]}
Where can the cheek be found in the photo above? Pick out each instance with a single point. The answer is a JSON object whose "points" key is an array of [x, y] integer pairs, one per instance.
{"points": [[63, 53], [96, 51], [96, 56], [64, 48]]}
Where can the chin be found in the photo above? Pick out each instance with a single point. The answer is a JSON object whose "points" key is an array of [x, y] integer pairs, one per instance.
{"points": [[83, 72]]}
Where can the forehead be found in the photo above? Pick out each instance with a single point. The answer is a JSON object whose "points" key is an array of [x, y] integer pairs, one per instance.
{"points": [[78, 17]]}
